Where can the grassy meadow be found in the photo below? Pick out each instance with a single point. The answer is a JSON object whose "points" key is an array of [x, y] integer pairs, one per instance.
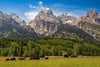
{"points": [[64, 62]]}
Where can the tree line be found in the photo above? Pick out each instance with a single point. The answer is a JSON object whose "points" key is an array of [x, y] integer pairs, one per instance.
{"points": [[41, 47]]}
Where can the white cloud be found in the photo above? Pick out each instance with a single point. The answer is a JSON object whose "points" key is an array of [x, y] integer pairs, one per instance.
{"points": [[31, 15], [40, 3], [30, 6]]}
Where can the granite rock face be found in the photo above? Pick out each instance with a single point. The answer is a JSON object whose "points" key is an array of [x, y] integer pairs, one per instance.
{"points": [[12, 18], [17, 19], [46, 15], [66, 18], [63, 26], [90, 23], [91, 17], [45, 23]]}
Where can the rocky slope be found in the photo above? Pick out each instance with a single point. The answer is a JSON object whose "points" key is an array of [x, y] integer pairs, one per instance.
{"points": [[48, 25], [8, 30], [91, 17], [90, 23], [45, 23], [11, 26], [17, 19], [66, 18], [72, 32], [8, 19]]}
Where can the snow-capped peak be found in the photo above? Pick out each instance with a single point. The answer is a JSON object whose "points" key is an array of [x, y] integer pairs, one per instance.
{"points": [[66, 14], [46, 9]]}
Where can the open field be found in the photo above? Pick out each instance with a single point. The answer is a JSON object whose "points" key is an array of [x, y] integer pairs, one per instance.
{"points": [[64, 62]]}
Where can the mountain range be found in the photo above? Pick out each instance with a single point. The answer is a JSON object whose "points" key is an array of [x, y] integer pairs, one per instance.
{"points": [[46, 24]]}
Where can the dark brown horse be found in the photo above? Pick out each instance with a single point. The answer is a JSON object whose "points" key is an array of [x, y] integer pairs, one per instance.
{"points": [[13, 59], [37, 58], [7, 59], [46, 58], [32, 58], [21, 58]]}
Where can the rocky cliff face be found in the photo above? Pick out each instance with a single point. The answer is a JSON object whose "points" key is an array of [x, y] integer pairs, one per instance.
{"points": [[46, 15], [66, 18], [90, 23], [4, 16], [86, 27], [91, 17], [11, 26], [91, 28], [45, 23], [17, 19], [12, 18]]}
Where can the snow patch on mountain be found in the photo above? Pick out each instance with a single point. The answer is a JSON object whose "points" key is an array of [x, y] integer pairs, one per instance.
{"points": [[46, 9]]}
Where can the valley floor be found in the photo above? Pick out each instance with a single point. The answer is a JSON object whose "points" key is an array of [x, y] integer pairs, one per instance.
{"points": [[67, 62]]}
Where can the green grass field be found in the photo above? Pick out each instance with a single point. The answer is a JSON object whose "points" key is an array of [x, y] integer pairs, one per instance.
{"points": [[70, 62]]}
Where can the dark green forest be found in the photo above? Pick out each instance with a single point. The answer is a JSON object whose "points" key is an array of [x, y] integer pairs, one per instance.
{"points": [[41, 47]]}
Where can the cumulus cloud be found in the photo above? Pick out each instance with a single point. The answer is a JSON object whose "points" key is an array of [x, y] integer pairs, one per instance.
{"points": [[30, 15], [30, 6], [40, 3]]}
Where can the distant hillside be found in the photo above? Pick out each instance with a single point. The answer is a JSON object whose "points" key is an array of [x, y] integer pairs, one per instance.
{"points": [[73, 32], [7, 30], [91, 29]]}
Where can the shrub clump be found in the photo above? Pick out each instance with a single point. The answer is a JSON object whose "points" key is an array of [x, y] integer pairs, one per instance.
{"points": [[65, 55]]}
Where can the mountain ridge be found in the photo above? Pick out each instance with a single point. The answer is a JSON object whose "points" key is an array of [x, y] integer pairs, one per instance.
{"points": [[46, 24]]}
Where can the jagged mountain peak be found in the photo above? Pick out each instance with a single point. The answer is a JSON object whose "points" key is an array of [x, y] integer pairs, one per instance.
{"points": [[45, 23], [1, 12], [92, 13], [46, 15], [46, 11], [17, 19], [91, 17], [65, 14], [66, 18], [13, 15]]}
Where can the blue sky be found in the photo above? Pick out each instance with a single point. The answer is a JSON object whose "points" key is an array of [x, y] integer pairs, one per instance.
{"points": [[28, 9]]}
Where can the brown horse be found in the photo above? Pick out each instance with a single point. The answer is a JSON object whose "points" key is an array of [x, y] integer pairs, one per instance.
{"points": [[7, 59], [13, 59], [46, 58], [21, 58], [32, 58]]}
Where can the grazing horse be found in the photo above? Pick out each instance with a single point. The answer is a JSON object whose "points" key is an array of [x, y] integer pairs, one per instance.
{"points": [[7, 59], [13, 58], [21, 58], [32, 58], [46, 58], [37, 58]]}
